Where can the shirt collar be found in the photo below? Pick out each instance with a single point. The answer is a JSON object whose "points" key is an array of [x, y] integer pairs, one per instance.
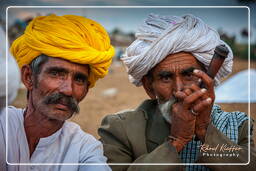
{"points": [[44, 142]]}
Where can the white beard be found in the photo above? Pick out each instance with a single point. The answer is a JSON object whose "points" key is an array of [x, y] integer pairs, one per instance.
{"points": [[165, 109]]}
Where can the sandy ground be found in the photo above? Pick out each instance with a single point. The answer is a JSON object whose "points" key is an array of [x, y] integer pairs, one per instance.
{"points": [[98, 104]]}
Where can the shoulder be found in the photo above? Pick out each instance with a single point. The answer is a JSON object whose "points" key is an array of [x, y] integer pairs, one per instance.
{"points": [[235, 124], [13, 112], [126, 127], [123, 116], [218, 116], [117, 126], [140, 114], [121, 124], [74, 131], [89, 148], [14, 116]]}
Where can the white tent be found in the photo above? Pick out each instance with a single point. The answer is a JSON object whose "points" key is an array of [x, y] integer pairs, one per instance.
{"points": [[236, 89]]}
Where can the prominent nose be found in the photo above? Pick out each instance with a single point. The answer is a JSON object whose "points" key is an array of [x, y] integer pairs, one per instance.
{"points": [[179, 86], [66, 86]]}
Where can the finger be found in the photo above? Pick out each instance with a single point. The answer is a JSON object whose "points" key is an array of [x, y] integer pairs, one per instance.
{"points": [[187, 91], [194, 96], [202, 105], [180, 114], [199, 81], [206, 79], [180, 95], [195, 87], [194, 112]]}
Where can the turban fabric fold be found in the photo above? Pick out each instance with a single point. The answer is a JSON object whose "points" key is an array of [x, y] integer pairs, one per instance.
{"points": [[160, 36], [74, 38]]}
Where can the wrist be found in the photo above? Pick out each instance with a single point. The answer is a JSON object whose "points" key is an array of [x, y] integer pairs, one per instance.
{"points": [[177, 143], [201, 132]]}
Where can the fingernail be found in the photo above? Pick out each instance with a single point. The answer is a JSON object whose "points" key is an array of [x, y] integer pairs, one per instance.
{"points": [[199, 80], [204, 90], [209, 100], [196, 71]]}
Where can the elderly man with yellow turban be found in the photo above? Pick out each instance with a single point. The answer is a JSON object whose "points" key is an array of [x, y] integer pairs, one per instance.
{"points": [[60, 58], [180, 123]]}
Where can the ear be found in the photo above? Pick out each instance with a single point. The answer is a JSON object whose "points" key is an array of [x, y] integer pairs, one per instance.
{"points": [[26, 77], [147, 85]]}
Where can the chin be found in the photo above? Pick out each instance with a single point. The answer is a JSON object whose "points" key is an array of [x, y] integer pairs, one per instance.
{"points": [[60, 115]]}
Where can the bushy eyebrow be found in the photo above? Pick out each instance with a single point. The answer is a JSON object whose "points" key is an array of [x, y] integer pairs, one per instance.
{"points": [[57, 69], [63, 70], [163, 74], [188, 70]]}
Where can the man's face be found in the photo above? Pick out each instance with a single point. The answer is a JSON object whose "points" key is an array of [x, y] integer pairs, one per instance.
{"points": [[173, 73], [59, 87]]}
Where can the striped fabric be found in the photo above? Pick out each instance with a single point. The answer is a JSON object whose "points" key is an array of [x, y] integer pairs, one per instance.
{"points": [[226, 122]]}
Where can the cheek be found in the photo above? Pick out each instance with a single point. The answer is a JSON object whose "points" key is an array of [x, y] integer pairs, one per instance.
{"points": [[49, 85], [163, 91], [80, 92]]}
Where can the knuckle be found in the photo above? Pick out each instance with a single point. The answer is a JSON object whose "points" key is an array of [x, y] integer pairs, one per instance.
{"points": [[205, 103], [175, 108], [193, 86], [188, 100], [197, 107], [199, 71], [178, 94], [199, 93]]}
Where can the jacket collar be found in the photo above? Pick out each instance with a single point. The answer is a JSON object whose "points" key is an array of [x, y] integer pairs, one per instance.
{"points": [[157, 129]]}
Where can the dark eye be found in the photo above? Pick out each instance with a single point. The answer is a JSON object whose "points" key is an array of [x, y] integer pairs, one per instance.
{"points": [[80, 80], [166, 78], [53, 72], [188, 75], [57, 73]]}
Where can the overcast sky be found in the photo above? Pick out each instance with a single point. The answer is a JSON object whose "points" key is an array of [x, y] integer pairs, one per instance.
{"points": [[231, 20]]}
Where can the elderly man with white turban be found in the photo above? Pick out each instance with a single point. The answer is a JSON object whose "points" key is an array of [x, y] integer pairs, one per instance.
{"points": [[170, 58], [60, 57]]}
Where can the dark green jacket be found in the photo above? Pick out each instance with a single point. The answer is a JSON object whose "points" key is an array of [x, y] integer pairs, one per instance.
{"points": [[140, 136]]}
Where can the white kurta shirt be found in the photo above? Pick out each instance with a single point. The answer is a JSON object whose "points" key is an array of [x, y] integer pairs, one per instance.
{"points": [[69, 145]]}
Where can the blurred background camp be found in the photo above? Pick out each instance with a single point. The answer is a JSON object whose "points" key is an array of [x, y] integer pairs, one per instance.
{"points": [[115, 92]]}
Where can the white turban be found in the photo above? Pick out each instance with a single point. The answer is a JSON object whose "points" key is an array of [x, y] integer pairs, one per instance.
{"points": [[160, 36], [13, 73]]}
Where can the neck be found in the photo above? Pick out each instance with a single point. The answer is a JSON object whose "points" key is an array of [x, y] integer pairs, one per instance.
{"points": [[38, 126]]}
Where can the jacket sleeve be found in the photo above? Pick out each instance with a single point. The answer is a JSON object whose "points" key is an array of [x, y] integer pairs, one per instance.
{"points": [[214, 138], [118, 149]]}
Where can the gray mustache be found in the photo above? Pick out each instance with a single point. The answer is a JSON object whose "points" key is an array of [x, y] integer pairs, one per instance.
{"points": [[56, 98]]}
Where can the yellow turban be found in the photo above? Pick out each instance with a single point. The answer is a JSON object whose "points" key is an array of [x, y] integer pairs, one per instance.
{"points": [[74, 38]]}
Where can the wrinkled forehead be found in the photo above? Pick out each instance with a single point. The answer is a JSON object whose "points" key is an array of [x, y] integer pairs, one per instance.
{"points": [[65, 64], [181, 60]]}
